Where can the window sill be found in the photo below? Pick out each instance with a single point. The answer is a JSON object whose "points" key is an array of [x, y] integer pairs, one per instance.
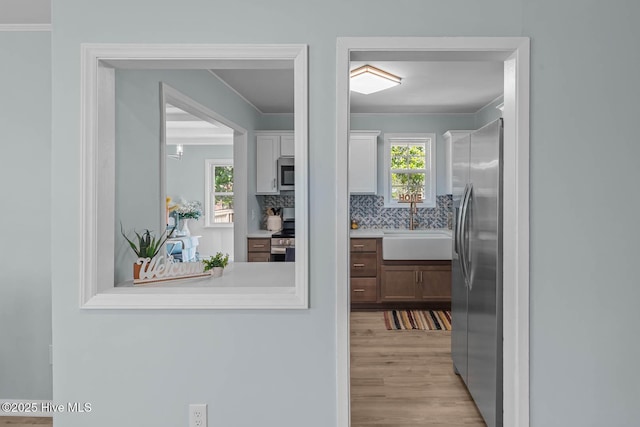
{"points": [[243, 285], [219, 225]]}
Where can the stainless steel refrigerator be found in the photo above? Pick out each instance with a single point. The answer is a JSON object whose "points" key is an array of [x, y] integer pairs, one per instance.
{"points": [[476, 293]]}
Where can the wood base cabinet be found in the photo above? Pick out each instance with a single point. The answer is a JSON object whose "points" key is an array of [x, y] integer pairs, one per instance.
{"points": [[259, 250], [407, 283], [377, 284], [365, 267], [364, 289]]}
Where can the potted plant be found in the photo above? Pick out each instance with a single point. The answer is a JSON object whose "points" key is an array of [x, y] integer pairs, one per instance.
{"points": [[216, 264], [147, 246]]}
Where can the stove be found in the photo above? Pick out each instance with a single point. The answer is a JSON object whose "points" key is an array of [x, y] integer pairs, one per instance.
{"points": [[283, 243]]}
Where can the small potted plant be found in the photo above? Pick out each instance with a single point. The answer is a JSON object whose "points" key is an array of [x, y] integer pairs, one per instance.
{"points": [[147, 246], [216, 264]]}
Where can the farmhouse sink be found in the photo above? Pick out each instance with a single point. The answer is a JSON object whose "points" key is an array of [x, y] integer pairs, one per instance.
{"points": [[416, 245], [422, 232]]}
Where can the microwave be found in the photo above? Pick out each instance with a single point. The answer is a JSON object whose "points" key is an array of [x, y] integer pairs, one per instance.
{"points": [[286, 173]]}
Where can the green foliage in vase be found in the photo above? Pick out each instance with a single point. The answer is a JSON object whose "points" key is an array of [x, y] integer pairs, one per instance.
{"points": [[190, 210], [148, 245], [219, 260]]}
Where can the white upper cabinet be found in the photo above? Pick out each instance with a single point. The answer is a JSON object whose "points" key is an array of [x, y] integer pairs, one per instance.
{"points": [[267, 153], [363, 162], [449, 137], [287, 145], [271, 145]]}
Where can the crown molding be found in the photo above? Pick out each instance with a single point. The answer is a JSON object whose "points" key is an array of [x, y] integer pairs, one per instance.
{"points": [[25, 27]]}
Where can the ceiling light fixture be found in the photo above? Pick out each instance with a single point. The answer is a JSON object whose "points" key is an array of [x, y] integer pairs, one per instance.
{"points": [[368, 79], [179, 152]]}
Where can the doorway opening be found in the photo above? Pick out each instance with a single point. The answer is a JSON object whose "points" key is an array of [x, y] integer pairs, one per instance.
{"points": [[198, 164], [513, 53]]}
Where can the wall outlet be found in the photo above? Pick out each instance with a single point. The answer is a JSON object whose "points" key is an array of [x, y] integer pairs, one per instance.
{"points": [[198, 415]]}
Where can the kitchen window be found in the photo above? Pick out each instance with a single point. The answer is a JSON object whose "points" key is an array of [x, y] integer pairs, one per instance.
{"points": [[410, 167], [219, 193]]}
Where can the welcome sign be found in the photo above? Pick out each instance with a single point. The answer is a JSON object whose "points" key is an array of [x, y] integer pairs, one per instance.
{"points": [[158, 270]]}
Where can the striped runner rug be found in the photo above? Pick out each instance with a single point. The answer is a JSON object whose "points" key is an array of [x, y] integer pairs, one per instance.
{"points": [[426, 320]]}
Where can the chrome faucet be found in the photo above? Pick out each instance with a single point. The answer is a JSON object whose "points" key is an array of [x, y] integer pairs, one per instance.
{"points": [[413, 210]]}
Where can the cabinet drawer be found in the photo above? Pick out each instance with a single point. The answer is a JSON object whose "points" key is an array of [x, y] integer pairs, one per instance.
{"points": [[364, 265], [363, 245], [364, 290], [259, 245], [259, 257]]}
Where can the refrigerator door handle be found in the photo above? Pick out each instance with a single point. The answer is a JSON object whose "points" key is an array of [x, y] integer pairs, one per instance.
{"points": [[456, 232], [464, 236]]}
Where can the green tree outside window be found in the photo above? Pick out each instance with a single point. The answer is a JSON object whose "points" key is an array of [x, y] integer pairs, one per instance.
{"points": [[408, 169]]}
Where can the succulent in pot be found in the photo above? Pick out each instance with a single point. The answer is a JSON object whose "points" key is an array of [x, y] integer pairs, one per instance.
{"points": [[147, 246], [216, 264]]}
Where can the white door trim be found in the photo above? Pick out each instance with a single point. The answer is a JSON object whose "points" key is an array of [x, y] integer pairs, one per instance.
{"points": [[516, 208]]}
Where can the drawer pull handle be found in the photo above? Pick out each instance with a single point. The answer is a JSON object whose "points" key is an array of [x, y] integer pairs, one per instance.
{"points": [[358, 290], [358, 246], [358, 265], [258, 246]]}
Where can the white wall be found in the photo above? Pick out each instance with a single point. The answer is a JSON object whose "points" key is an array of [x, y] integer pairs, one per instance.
{"points": [[25, 215], [278, 368]]}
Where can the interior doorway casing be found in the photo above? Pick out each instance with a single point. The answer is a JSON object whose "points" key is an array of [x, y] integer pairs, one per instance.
{"points": [[515, 53]]}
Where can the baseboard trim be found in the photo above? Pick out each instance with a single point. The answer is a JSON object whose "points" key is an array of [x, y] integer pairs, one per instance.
{"points": [[17, 402], [25, 27]]}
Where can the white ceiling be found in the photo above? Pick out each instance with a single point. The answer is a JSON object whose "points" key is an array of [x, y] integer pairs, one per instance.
{"points": [[433, 84], [270, 91], [185, 128], [433, 87]]}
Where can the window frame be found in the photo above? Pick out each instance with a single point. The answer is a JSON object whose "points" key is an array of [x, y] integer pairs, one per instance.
{"points": [[96, 192], [210, 192], [429, 139]]}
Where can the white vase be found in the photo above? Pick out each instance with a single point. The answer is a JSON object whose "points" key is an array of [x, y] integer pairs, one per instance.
{"points": [[217, 271], [185, 227]]}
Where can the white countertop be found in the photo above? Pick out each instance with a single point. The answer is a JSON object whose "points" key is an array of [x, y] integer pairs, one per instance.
{"points": [[237, 275], [374, 233], [260, 234]]}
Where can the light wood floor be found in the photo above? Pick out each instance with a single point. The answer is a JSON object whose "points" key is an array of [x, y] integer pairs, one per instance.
{"points": [[398, 378], [405, 378], [25, 422]]}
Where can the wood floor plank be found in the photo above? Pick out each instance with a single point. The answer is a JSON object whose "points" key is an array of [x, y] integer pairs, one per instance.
{"points": [[405, 378], [26, 421]]}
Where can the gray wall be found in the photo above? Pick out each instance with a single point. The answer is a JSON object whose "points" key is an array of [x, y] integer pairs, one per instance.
{"points": [[25, 215], [278, 368], [584, 176]]}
